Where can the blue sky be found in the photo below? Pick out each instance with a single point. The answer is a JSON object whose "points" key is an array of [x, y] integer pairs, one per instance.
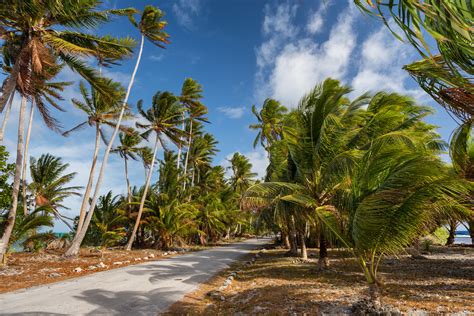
{"points": [[241, 51]]}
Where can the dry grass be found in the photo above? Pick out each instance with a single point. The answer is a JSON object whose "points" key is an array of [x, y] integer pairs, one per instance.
{"points": [[279, 285]]}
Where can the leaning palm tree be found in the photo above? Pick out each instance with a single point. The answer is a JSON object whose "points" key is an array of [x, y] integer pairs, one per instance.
{"points": [[50, 185], [100, 111], [151, 27], [38, 35], [162, 119], [270, 122], [128, 149]]}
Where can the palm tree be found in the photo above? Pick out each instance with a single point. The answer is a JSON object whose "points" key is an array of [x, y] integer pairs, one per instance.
{"points": [[462, 157], [242, 176], [200, 155], [26, 228], [100, 111], [128, 149], [5, 118], [146, 155], [162, 119], [49, 185], [191, 95], [150, 27], [108, 221], [40, 34], [447, 77], [270, 122], [44, 92]]}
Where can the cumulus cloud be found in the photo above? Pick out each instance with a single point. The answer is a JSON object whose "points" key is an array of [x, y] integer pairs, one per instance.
{"points": [[232, 112], [158, 57], [286, 71], [380, 66], [186, 11]]}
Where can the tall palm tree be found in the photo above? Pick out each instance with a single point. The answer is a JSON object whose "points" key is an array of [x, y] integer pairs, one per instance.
{"points": [[200, 155], [50, 185], [100, 111], [151, 27], [191, 95], [5, 117], [128, 149], [162, 119], [270, 122], [40, 34]]}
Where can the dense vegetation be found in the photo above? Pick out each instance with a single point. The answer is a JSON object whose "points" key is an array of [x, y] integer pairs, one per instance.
{"points": [[365, 173]]}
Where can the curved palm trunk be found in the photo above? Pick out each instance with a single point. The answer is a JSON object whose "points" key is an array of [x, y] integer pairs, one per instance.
{"points": [[187, 154], [76, 243], [25, 159], [5, 118], [142, 201], [16, 184], [87, 193]]}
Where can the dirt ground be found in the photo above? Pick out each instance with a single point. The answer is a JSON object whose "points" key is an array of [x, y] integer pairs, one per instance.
{"points": [[279, 285]]}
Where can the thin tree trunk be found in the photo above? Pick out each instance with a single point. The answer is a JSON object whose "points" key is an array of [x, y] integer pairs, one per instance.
{"points": [[77, 241], [452, 233], [471, 230], [129, 190], [292, 234], [323, 261], [87, 193], [5, 118], [187, 154], [304, 251], [180, 145], [16, 185], [142, 202], [285, 239], [25, 158]]}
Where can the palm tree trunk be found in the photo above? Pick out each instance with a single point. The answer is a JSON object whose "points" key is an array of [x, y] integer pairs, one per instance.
{"points": [[187, 153], [304, 251], [77, 241], [25, 158], [323, 261], [292, 234], [180, 146], [452, 233], [142, 202], [129, 190], [87, 193], [5, 118], [16, 184], [285, 240]]}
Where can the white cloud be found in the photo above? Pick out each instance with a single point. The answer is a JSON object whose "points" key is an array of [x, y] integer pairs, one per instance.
{"points": [[380, 66], [232, 112], [258, 158], [286, 71], [316, 20], [186, 11]]}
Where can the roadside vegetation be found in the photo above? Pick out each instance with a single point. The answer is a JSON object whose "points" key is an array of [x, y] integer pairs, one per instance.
{"points": [[360, 173]]}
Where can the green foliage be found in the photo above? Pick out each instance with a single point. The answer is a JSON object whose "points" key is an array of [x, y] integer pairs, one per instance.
{"points": [[6, 171]]}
